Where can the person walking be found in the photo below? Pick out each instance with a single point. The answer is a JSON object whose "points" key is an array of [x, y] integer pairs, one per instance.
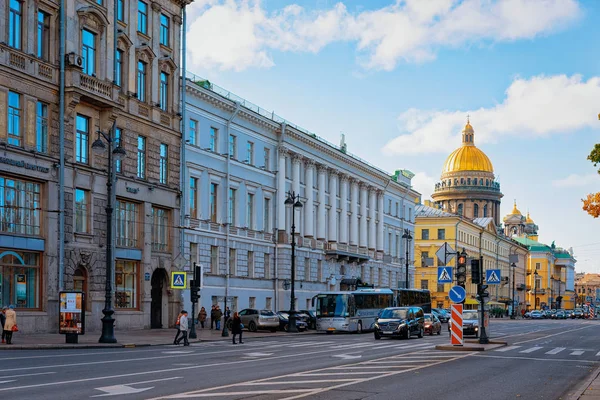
{"points": [[177, 325], [236, 327], [10, 325], [218, 315], [2, 321], [202, 317], [212, 317], [183, 327]]}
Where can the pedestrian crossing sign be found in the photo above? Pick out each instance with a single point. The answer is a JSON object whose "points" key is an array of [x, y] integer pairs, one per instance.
{"points": [[178, 280], [492, 276], [444, 274]]}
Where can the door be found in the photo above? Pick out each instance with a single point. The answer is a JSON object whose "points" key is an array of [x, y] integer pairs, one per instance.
{"points": [[159, 284]]}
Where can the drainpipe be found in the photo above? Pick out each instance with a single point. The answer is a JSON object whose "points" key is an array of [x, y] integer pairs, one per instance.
{"points": [[182, 165], [61, 139], [114, 145], [497, 263]]}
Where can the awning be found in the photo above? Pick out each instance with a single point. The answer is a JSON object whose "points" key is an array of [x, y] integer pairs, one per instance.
{"points": [[471, 301]]}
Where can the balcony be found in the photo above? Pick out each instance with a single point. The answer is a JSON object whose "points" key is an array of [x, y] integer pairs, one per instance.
{"points": [[28, 64], [206, 225], [348, 253], [91, 89], [493, 188], [521, 286]]}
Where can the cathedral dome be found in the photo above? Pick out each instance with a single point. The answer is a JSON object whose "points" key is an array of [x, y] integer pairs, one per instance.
{"points": [[467, 157]]}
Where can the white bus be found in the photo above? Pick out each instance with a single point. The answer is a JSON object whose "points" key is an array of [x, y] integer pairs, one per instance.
{"points": [[350, 311]]}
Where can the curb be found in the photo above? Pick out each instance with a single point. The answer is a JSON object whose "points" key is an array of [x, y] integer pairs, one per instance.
{"points": [[580, 390], [468, 347]]}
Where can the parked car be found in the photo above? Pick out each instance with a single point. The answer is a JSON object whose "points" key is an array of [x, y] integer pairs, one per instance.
{"points": [[535, 314], [254, 319], [442, 315], [471, 323], [284, 322], [577, 313], [561, 314], [400, 322], [432, 324], [312, 318]]}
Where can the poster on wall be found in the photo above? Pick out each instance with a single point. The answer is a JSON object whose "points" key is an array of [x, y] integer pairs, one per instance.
{"points": [[72, 313], [21, 289]]}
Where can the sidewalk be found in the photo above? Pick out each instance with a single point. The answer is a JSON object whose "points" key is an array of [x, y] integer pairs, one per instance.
{"points": [[132, 338], [590, 390]]}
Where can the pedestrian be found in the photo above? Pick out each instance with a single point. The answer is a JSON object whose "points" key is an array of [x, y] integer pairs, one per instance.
{"points": [[10, 325], [202, 317], [236, 327], [227, 314], [2, 321], [177, 325], [218, 315], [183, 327], [212, 317]]}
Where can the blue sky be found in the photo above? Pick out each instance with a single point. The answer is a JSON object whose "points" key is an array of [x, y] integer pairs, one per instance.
{"points": [[399, 78]]}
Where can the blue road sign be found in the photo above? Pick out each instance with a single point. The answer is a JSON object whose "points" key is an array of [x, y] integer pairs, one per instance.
{"points": [[178, 280], [457, 294], [492, 276], [444, 274]]}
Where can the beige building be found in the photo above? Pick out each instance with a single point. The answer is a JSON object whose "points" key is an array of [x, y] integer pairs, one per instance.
{"points": [[586, 287], [137, 95]]}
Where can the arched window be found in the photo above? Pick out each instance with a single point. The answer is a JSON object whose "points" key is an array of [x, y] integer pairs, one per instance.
{"points": [[80, 283], [485, 211], [468, 181], [460, 209], [476, 211]]}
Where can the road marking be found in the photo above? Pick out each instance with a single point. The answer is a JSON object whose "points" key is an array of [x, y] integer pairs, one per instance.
{"points": [[556, 350], [347, 356], [20, 375], [327, 373], [299, 382], [373, 366], [258, 354], [248, 392], [539, 359], [178, 352], [118, 390], [554, 334], [598, 354], [531, 350], [12, 380], [577, 352]]}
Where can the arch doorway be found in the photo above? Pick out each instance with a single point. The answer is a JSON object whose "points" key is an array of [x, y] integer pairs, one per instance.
{"points": [[80, 283], [159, 302]]}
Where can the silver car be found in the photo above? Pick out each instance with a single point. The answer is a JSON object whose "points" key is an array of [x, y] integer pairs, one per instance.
{"points": [[254, 319]]}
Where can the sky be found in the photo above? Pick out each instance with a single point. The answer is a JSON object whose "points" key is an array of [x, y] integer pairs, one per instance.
{"points": [[399, 78]]}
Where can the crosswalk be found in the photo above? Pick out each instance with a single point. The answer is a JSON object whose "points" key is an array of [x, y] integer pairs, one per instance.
{"points": [[535, 350]]}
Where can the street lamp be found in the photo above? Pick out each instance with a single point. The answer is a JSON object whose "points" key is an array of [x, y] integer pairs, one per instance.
{"points": [[293, 202], [514, 267], [408, 238], [118, 153], [535, 290]]}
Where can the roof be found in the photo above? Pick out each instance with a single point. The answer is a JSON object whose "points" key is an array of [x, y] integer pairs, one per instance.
{"points": [[484, 222], [533, 245], [426, 211]]}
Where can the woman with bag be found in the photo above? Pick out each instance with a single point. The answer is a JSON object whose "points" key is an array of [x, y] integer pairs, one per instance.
{"points": [[10, 325], [202, 317], [236, 327]]}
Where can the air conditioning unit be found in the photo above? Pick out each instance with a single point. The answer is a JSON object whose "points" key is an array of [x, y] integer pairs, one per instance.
{"points": [[74, 60]]}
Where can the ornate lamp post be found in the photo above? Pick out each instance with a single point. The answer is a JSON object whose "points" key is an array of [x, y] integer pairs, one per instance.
{"points": [[406, 235], [535, 289], [293, 202], [117, 152]]}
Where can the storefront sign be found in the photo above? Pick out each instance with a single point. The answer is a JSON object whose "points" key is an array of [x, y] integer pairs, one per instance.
{"points": [[23, 164], [132, 190], [72, 313]]}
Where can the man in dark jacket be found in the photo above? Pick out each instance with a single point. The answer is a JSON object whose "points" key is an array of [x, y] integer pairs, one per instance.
{"points": [[212, 317], [218, 315], [2, 321]]}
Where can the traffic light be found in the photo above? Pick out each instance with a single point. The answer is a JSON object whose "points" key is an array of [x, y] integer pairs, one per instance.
{"points": [[482, 293], [461, 269], [194, 294], [475, 272]]}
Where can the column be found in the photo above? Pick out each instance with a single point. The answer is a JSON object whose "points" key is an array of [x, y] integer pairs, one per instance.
{"points": [[343, 235], [296, 160], [363, 215], [281, 189], [309, 230], [380, 224], [321, 171], [354, 215], [333, 183], [372, 226]]}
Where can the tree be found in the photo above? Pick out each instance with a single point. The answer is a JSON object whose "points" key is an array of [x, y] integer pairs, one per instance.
{"points": [[591, 204]]}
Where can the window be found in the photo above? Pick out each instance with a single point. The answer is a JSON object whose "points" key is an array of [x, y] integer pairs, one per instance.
{"points": [[88, 52], [15, 24], [164, 30], [126, 221], [441, 234], [214, 137], [250, 153], [396, 209], [232, 143], [425, 234], [267, 266], [440, 288], [82, 138], [118, 137], [160, 229], [250, 211], [460, 209], [269, 303], [14, 118], [250, 264], [213, 202], [424, 284], [142, 17], [476, 211], [164, 164], [82, 214], [307, 269], [120, 10], [193, 133], [267, 215], [538, 266], [141, 81], [251, 302], [20, 203], [126, 283], [485, 211], [193, 253], [214, 259], [141, 157], [99, 2], [193, 197], [119, 71], [231, 216], [41, 127], [43, 35], [267, 160], [21, 281], [232, 262], [164, 91]]}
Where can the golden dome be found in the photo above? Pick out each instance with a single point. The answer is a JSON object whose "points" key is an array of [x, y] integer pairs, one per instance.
{"points": [[515, 210], [468, 157], [528, 219]]}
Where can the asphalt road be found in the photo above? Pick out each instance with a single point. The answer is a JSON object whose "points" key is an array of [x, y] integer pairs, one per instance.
{"points": [[544, 360]]}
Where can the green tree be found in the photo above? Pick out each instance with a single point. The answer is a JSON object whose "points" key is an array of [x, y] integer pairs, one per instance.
{"points": [[591, 204]]}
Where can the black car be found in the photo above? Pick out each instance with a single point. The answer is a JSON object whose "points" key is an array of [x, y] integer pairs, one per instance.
{"points": [[284, 320], [400, 322], [441, 314], [312, 318]]}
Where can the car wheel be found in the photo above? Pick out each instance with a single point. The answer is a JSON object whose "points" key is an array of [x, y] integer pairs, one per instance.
{"points": [[377, 336], [431, 332], [273, 330], [407, 334], [440, 331], [252, 326], [477, 335], [285, 327], [420, 335], [359, 327]]}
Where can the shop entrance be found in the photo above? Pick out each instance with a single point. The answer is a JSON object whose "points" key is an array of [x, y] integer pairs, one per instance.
{"points": [[159, 302]]}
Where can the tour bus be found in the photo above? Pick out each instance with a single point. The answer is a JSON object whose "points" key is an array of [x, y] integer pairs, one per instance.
{"points": [[350, 311], [414, 298]]}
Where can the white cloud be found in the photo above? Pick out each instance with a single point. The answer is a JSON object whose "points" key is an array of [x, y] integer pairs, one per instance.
{"points": [[539, 106], [575, 180], [423, 184], [237, 34]]}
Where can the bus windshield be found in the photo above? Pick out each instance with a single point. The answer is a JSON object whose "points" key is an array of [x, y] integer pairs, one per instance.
{"points": [[332, 305]]}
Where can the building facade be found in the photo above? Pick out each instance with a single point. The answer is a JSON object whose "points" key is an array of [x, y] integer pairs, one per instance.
{"points": [[587, 289], [120, 79], [241, 163]]}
